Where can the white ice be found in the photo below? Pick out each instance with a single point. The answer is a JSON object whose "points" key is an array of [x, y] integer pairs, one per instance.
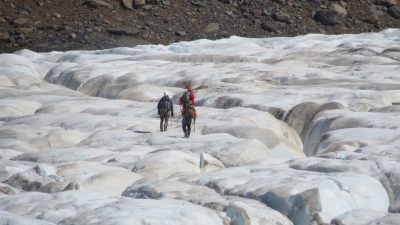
{"points": [[80, 140]]}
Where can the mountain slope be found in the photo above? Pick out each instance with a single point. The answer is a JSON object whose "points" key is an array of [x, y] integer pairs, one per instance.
{"points": [[44, 25]]}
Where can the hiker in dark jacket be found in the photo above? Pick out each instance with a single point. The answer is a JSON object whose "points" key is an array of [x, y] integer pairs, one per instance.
{"points": [[165, 110]]}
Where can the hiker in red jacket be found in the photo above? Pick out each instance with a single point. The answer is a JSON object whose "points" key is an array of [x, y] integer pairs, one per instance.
{"points": [[188, 111]]}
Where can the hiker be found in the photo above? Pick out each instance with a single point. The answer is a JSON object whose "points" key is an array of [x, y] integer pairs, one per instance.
{"points": [[188, 111], [165, 110]]}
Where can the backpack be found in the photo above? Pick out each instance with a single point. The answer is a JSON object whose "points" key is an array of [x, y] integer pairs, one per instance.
{"points": [[185, 100], [165, 105]]}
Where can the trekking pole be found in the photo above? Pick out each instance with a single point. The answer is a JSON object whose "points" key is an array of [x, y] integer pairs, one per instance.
{"points": [[194, 121], [194, 126], [171, 121]]}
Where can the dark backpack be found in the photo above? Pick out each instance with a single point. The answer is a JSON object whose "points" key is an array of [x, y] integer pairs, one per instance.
{"points": [[185, 100], [165, 105]]}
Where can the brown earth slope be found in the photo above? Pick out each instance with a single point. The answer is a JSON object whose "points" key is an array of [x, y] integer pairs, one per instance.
{"points": [[45, 25]]}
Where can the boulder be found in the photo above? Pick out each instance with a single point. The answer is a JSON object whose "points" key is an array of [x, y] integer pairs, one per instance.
{"points": [[269, 26], [24, 30], [394, 11], [281, 17], [97, 4], [73, 36], [139, 3], [200, 4], [4, 36], [180, 33], [211, 27], [20, 21], [339, 9], [166, 2], [327, 17], [127, 31], [128, 4], [373, 17], [387, 3], [57, 15]]}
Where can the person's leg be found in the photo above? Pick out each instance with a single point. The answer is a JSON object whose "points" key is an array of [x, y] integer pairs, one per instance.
{"points": [[161, 122], [166, 122], [184, 128], [189, 123]]}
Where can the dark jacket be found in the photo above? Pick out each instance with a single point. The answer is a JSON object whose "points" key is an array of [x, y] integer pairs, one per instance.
{"points": [[171, 106]]}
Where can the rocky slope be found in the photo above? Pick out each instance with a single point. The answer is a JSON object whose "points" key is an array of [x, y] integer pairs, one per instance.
{"points": [[45, 25]]}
